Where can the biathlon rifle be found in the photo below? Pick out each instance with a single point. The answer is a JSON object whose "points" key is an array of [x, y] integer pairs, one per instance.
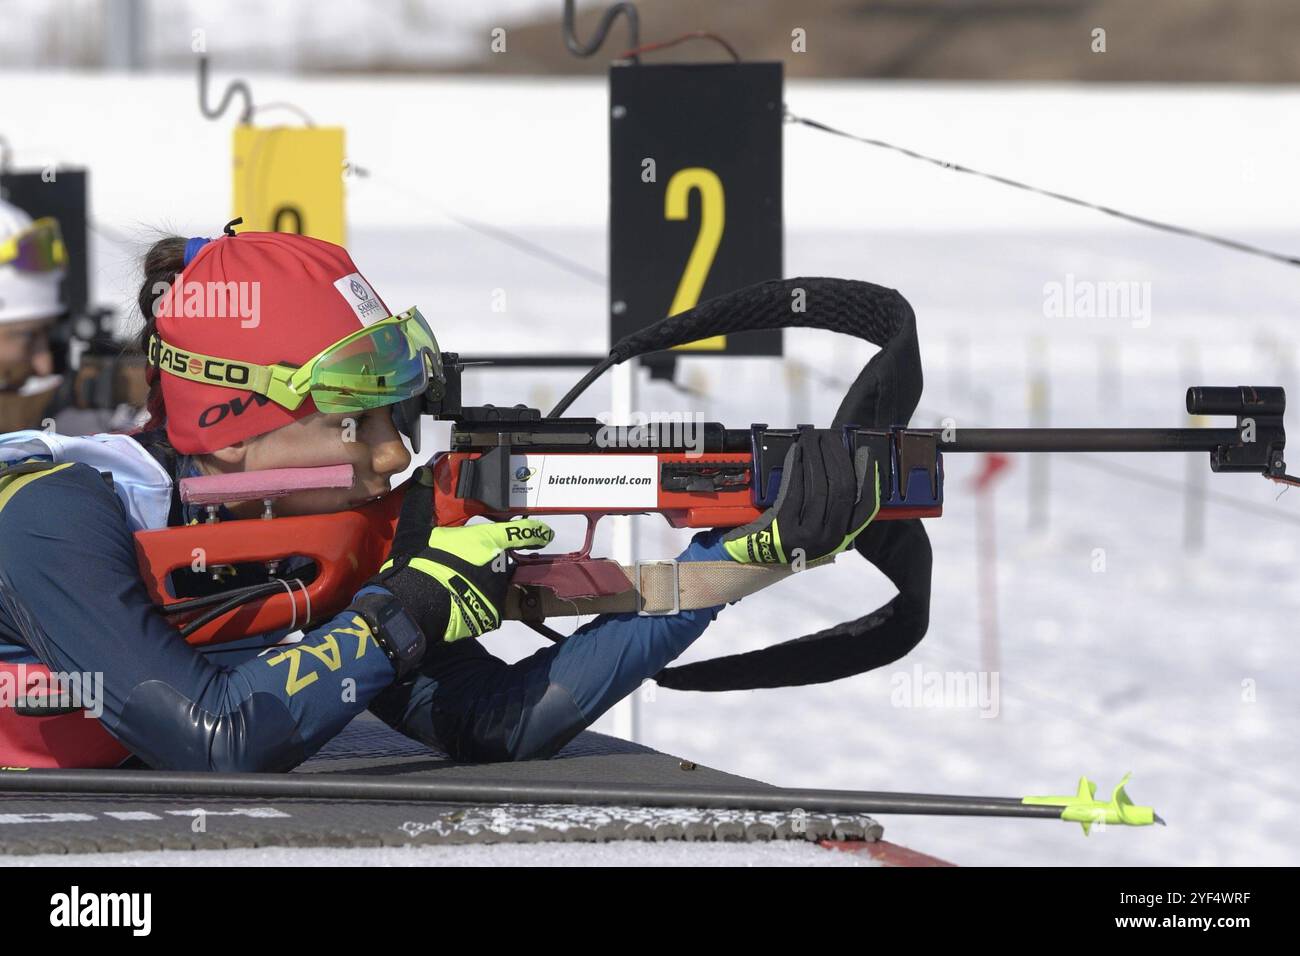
{"points": [[506, 462]]}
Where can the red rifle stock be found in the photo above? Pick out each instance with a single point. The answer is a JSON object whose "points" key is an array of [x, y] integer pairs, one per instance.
{"points": [[348, 547]]}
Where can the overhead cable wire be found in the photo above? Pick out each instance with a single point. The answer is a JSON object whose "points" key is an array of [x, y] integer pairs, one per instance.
{"points": [[1186, 231]]}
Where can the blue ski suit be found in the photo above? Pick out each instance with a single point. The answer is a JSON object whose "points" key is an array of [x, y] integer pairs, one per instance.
{"points": [[71, 597]]}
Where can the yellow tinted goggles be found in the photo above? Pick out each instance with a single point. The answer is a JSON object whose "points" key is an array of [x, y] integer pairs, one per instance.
{"points": [[389, 361]]}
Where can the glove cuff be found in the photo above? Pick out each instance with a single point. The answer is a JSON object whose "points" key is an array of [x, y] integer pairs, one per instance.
{"points": [[421, 597]]}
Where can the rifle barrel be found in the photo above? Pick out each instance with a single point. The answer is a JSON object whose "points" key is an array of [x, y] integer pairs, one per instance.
{"points": [[1083, 439]]}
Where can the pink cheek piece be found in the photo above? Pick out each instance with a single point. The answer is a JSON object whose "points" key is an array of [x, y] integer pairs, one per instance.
{"points": [[261, 485]]}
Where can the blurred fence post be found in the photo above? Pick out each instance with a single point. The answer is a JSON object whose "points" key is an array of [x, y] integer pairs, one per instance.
{"points": [[797, 391], [125, 26], [986, 551], [540, 396], [1196, 473], [1040, 401]]}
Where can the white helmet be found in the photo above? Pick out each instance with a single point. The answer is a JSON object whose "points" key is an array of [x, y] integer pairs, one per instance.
{"points": [[32, 265]]}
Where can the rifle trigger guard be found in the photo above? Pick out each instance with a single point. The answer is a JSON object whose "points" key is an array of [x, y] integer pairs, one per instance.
{"points": [[583, 554]]}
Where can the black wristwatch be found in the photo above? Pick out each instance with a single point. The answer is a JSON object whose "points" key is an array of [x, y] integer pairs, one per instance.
{"points": [[397, 635]]}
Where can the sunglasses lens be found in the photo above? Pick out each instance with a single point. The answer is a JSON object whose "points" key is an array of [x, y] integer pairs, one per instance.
{"points": [[390, 363]]}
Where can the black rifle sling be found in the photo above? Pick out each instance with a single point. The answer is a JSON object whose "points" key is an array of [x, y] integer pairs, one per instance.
{"points": [[885, 394]]}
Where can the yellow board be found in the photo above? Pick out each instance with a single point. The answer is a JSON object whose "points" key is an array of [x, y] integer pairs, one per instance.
{"points": [[290, 179]]}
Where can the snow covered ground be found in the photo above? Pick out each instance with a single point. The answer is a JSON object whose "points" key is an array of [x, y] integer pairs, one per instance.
{"points": [[1120, 648]]}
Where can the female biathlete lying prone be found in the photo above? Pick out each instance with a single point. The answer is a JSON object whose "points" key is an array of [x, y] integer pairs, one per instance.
{"points": [[72, 598]]}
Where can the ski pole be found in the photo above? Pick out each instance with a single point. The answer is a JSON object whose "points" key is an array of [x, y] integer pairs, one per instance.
{"points": [[1080, 808]]}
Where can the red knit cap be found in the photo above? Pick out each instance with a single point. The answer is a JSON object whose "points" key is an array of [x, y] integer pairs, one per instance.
{"points": [[291, 297]]}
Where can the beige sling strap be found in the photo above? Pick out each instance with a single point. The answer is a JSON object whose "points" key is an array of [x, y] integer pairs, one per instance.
{"points": [[657, 588]]}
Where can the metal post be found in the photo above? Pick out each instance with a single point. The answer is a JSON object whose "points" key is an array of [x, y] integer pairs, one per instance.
{"points": [[987, 567], [123, 36], [627, 712]]}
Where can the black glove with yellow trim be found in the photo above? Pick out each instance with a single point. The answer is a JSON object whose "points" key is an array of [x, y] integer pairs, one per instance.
{"points": [[452, 581], [827, 497]]}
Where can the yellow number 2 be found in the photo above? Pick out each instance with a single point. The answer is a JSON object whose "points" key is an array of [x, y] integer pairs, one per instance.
{"points": [[713, 206]]}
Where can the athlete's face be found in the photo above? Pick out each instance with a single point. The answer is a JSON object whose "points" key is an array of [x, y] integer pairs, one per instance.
{"points": [[368, 441], [24, 352]]}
